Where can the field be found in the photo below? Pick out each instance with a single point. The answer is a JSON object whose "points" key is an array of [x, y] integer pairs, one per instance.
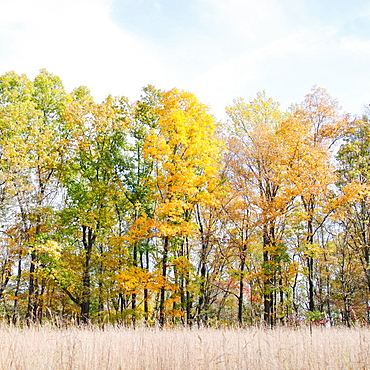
{"points": [[142, 348]]}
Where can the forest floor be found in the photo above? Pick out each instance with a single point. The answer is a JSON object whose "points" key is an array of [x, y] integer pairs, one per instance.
{"points": [[144, 348]]}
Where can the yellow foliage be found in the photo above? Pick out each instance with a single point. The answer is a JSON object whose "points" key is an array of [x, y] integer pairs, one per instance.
{"points": [[135, 279], [174, 313], [186, 154], [51, 247], [182, 265], [143, 228]]}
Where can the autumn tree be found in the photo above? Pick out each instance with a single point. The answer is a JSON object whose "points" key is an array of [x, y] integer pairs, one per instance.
{"points": [[321, 123], [209, 260], [262, 167], [136, 173], [240, 224], [92, 187], [32, 112], [185, 153], [17, 113], [354, 176]]}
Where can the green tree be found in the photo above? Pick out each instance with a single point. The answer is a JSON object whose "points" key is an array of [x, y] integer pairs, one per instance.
{"points": [[92, 189], [354, 182]]}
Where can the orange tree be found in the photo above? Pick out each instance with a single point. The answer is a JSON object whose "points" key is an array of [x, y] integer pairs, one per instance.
{"points": [[262, 166], [321, 123]]}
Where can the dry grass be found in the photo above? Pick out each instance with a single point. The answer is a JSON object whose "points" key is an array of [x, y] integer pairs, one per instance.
{"points": [[115, 348]]}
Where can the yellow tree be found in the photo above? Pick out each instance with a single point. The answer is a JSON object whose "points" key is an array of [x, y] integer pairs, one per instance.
{"points": [[136, 174], [32, 147], [46, 152], [321, 123], [17, 115], [261, 167], [185, 153]]}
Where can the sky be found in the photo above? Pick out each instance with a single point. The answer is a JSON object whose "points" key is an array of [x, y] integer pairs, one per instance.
{"points": [[217, 49]]}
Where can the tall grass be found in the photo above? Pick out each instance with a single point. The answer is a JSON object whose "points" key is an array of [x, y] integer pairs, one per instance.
{"points": [[142, 348]]}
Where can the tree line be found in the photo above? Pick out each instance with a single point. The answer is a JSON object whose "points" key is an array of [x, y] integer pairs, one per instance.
{"points": [[153, 212]]}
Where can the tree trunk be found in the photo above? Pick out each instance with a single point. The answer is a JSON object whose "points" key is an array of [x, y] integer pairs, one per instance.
{"points": [[88, 239], [268, 294], [133, 296], [311, 288], [310, 267], [31, 290], [18, 284], [189, 299], [202, 300], [309, 208], [163, 288], [241, 287], [146, 292]]}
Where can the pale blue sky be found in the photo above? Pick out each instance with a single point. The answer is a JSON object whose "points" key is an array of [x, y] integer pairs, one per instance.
{"points": [[217, 49]]}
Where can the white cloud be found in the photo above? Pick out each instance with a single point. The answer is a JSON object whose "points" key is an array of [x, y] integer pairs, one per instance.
{"points": [[76, 40], [355, 45], [252, 19], [262, 68]]}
